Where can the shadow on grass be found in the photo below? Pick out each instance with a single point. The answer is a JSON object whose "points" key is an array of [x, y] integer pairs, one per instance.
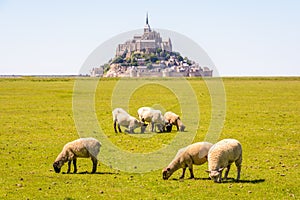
{"points": [[232, 180], [86, 172], [229, 180], [178, 179], [251, 181]]}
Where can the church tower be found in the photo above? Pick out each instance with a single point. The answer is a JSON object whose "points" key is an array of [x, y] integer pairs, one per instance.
{"points": [[147, 28]]}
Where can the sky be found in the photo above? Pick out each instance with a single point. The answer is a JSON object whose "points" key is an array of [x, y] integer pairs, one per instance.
{"points": [[242, 38]]}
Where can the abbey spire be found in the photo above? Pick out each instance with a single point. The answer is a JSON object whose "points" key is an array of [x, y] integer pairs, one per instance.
{"points": [[147, 18], [147, 28]]}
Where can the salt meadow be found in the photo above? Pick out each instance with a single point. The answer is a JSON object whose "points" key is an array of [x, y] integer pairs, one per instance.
{"points": [[36, 120]]}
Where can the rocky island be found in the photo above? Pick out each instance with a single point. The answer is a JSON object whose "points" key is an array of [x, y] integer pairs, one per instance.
{"points": [[148, 55]]}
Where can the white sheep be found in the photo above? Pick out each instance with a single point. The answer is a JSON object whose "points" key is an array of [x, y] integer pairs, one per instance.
{"points": [[121, 117], [194, 154], [155, 117], [174, 119], [80, 148], [221, 156], [141, 110]]}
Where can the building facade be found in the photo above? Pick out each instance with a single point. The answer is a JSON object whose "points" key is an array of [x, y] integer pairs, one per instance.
{"points": [[146, 43]]}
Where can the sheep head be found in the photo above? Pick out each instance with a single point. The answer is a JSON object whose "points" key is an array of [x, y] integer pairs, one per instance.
{"points": [[167, 172], [181, 128], [180, 124], [160, 127], [216, 175], [143, 127], [57, 166], [168, 127]]}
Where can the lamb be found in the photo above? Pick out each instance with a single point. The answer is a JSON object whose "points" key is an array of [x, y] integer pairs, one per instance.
{"points": [[121, 117], [194, 154], [174, 119], [154, 117], [80, 148], [221, 156]]}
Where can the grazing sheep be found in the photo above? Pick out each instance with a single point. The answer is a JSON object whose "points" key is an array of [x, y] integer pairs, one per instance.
{"points": [[121, 117], [80, 148], [141, 110], [154, 117], [194, 154], [174, 119], [221, 156]]}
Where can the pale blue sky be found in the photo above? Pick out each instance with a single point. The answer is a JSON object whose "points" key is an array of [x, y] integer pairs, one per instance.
{"points": [[243, 38]]}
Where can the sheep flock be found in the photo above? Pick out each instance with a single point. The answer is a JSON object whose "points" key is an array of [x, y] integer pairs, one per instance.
{"points": [[218, 156]]}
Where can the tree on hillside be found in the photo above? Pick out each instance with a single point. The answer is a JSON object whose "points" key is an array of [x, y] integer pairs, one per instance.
{"points": [[134, 63], [149, 66], [180, 58], [118, 59], [153, 58], [128, 60], [173, 53], [167, 57], [136, 55], [106, 67], [158, 51]]}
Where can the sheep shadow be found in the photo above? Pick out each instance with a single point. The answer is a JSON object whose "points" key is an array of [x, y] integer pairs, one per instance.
{"points": [[255, 181], [232, 180], [171, 132], [180, 179], [229, 180], [99, 173]]}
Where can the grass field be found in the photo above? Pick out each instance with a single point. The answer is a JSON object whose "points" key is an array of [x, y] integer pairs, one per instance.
{"points": [[36, 120]]}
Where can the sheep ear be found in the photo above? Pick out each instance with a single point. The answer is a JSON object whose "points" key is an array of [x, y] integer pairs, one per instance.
{"points": [[168, 169], [208, 171], [221, 169]]}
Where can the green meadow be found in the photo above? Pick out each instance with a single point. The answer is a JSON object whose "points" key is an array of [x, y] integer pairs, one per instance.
{"points": [[37, 119]]}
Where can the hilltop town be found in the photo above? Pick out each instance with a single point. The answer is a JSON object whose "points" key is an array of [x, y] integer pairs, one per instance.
{"points": [[148, 55]]}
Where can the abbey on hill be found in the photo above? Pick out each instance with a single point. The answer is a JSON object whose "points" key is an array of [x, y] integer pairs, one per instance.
{"points": [[148, 43], [147, 55]]}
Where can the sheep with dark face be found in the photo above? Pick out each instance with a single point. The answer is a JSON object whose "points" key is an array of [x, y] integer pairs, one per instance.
{"points": [[121, 117], [221, 156], [194, 154], [80, 148], [174, 119]]}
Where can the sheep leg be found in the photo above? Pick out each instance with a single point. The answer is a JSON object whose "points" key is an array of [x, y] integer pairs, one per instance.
{"points": [[183, 172], [226, 172], [238, 172], [191, 172], [69, 166], [152, 127], [115, 124], [75, 166], [219, 180], [119, 127], [176, 124], [131, 130], [95, 162], [238, 164]]}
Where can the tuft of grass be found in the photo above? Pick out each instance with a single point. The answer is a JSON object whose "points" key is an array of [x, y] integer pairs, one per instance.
{"points": [[36, 120]]}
